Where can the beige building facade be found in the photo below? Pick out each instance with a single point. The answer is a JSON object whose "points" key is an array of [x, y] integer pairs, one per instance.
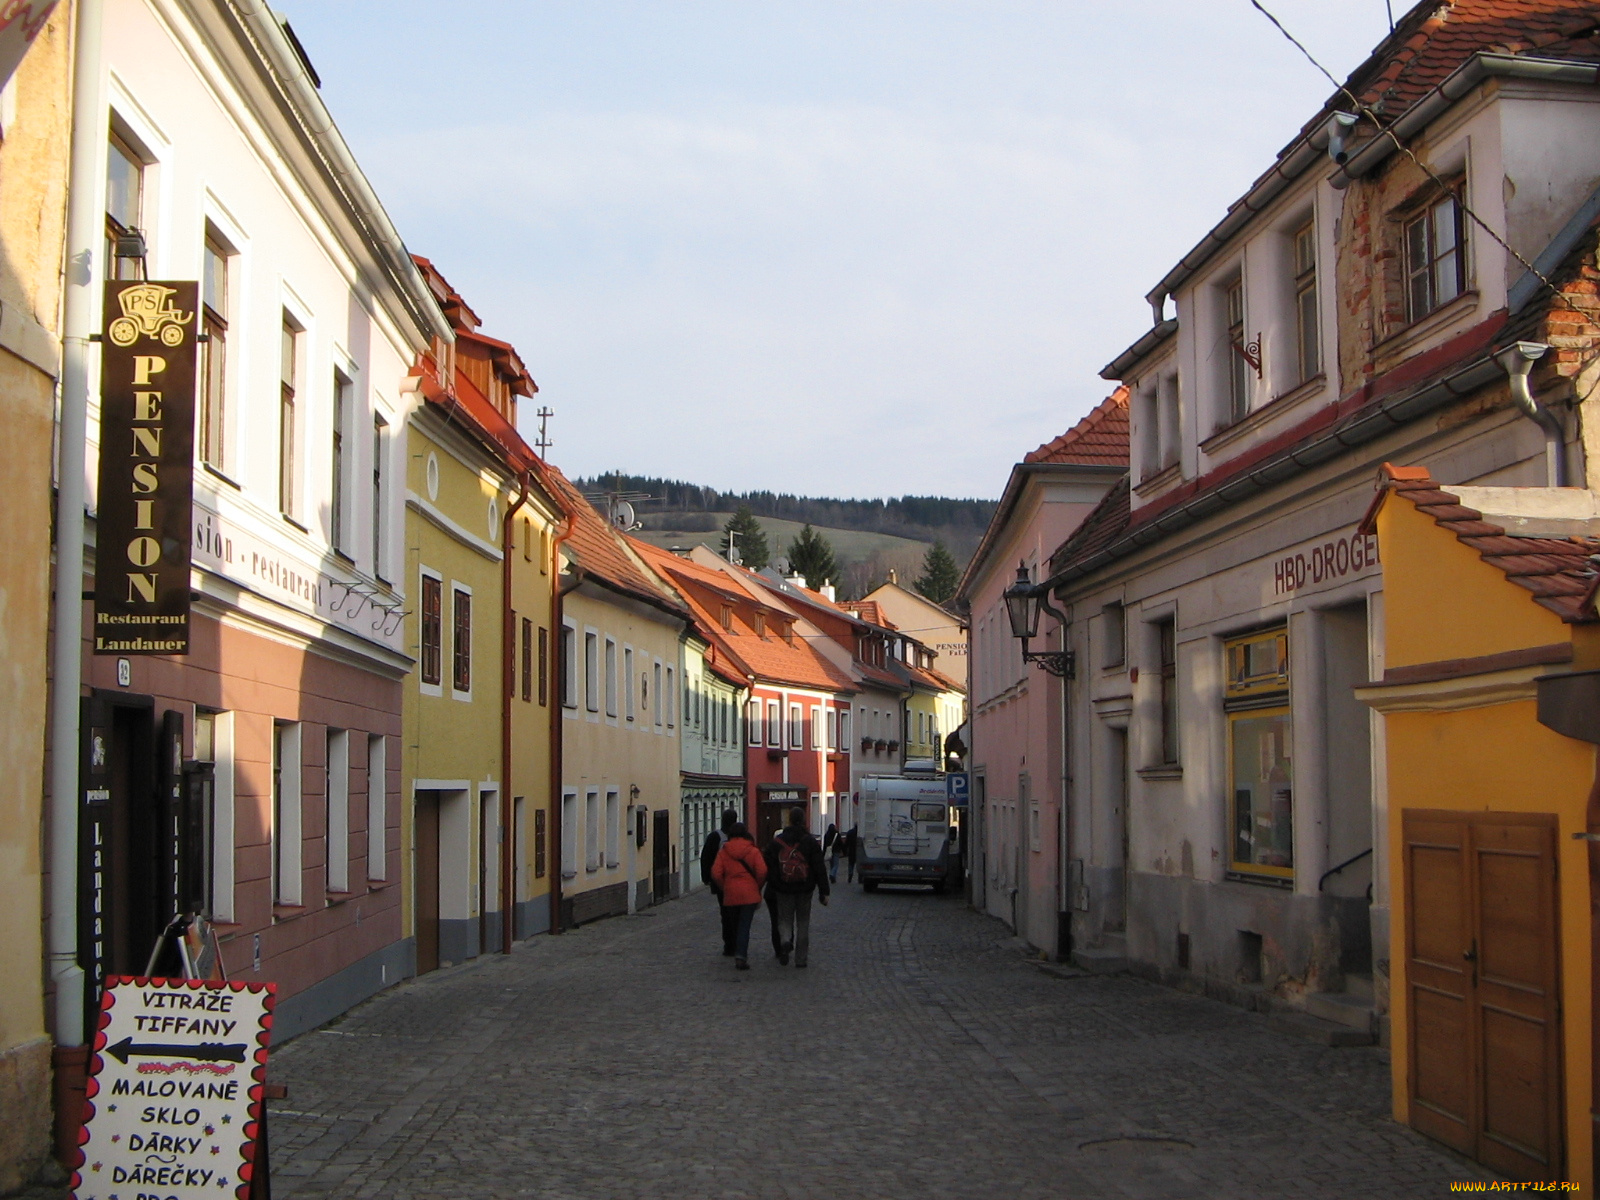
{"points": [[34, 140]]}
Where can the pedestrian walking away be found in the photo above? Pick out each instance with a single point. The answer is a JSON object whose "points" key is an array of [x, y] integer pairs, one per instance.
{"points": [[850, 843], [833, 850], [708, 859], [740, 871], [794, 867]]}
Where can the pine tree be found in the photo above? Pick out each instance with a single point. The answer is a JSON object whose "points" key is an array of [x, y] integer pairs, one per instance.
{"points": [[750, 543], [811, 555], [940, 576]]}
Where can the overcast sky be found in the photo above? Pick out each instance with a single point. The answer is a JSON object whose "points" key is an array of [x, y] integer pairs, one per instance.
{"points": [[834, 247]]}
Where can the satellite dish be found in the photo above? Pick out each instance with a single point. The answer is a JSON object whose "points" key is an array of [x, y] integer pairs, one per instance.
{"points": [[622, 516]]}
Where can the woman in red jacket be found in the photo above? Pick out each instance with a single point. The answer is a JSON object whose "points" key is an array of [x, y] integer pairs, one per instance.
{"points": [[740, 871]]}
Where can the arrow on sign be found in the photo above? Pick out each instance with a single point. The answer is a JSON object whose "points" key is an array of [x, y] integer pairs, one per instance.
{"points": [[205, 1051]]}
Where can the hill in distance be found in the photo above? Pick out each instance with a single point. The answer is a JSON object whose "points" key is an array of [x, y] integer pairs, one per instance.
{"points": [[869, 537]]}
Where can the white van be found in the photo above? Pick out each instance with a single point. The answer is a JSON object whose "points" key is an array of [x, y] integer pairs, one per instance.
{"points": [[905, 833]]}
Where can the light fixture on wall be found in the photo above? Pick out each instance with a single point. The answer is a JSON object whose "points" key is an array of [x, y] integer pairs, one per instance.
{"points": [[129, 244], [1024, 602]]}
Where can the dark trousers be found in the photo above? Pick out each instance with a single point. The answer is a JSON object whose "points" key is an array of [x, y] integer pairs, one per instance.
{"points": [[730, 925], [772, 920], [793, 922], [744, 914]]}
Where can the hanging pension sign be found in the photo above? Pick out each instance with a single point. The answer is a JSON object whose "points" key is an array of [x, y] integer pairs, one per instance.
{"points": [[172, 1110], [142, 534]]}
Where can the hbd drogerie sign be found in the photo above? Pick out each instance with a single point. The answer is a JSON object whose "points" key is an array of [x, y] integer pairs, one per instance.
{"points": [[173, 1105]]}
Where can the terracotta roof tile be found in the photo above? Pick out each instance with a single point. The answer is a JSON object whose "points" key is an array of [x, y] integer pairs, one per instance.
{"points": [[1101, 437], [1100, 528], [1559, 573], [767, 657], [600, 550]]}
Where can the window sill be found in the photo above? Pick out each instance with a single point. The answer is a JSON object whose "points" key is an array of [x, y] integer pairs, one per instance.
{"points": [[1250, 877], [1174, 771], [343, 557], [216, 474], [1408, 336], [1155, 483], [288, 520], [1274, 408], [379, 885], [284, 912]]}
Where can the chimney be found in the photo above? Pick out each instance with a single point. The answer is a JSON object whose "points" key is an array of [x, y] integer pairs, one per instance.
{"points": [[894, 576], [828, 593], [798, 581]]}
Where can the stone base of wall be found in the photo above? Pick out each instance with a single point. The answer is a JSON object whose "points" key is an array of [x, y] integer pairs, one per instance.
{"points": [[342, 991], [589, 906], [531, 917], [25, 1112]]}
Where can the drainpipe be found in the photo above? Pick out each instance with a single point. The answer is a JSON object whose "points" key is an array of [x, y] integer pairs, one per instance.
{"points": [[85, 233], [553, 851], [1518, 359], [508, 681]]}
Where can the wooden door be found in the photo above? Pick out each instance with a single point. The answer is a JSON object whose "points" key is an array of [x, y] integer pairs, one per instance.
{"points": [[1483, 986], [427, 879]]}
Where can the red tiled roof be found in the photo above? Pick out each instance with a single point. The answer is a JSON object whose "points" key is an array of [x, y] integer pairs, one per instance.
{"points": [[869, 611], [600, 550], [770, 657], [1101, 437], [1100, 528], [1435, 38], [1556, 570]]}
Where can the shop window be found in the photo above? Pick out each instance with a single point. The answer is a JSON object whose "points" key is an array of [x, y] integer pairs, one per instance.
{"points": [[1260, 753]]}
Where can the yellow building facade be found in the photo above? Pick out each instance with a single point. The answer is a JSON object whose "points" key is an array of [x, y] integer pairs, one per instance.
{"points": [[476, 754], [621, 675], [1488, 820], [34, 144]]}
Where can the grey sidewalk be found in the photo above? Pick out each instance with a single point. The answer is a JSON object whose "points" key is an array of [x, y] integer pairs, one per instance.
{"points": [[918, 1056]]}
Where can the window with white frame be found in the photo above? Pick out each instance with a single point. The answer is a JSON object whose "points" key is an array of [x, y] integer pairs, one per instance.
{"points": [[774, 724], [670, 698], [1238, 365], [211, 422], [656, 680], [844, 729], [288, 423], [753, 722], [569, 835], [1434, 247], [611, 677], [627, 679], [613, 827], [817, 736], [569, 666], [339, 451], [1307, 338], [833, 729], [336, 791], [797, 728], [377, 806], [591, 830], [286, 812], [591, 670]]}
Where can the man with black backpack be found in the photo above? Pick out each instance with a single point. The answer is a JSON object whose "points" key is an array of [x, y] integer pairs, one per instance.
{"points": [[795, 870], [708, 857]]}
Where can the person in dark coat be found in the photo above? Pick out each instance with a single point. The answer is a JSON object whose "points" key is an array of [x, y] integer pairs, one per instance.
{"points": [[832, 850], [795, 870], [851, 841], [708, 858]]}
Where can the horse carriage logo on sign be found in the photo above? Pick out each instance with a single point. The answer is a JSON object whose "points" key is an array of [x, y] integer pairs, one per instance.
{"points": [[147, 389]]}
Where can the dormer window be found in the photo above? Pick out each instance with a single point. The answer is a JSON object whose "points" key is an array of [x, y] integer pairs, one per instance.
{"points": [[727, 616], [761, 624], [1434, 243]]}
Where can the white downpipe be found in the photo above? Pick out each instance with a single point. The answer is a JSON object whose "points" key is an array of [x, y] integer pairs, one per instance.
{"points": [[85, 234]]}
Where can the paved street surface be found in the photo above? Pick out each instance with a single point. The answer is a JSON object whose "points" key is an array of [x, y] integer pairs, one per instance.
{"points": [[919, 1055]]}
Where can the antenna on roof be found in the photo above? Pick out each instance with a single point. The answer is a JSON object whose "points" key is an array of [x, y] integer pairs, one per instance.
{"points": [[1389, 5], [544, 443]]}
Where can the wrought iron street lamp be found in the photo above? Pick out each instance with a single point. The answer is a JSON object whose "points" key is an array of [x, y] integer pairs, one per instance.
{"points": [[1024, 602]]}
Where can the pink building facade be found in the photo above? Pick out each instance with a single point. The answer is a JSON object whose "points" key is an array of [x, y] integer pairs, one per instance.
{"points": [[1017, 841]]}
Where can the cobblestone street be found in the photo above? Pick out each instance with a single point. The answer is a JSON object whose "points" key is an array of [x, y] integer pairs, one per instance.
{"points": [[918, 1056]]}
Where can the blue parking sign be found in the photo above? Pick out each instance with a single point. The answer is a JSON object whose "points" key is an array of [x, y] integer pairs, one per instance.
{"points": [[956, 788]]}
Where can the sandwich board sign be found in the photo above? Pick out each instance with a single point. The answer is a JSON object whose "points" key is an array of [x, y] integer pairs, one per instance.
{"points": [[173, 1107]]}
